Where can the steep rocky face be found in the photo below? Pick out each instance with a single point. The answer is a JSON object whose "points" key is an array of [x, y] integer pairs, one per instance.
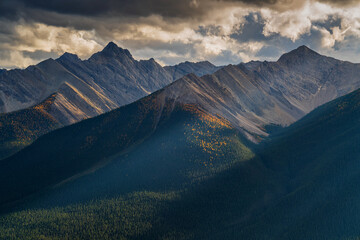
{"points": [[250, 95], [257, 94], [119, 75], [23, 88], [109, 79], [77, 89], [198, 68], [236, 94], [114, 73], [307, 79]]}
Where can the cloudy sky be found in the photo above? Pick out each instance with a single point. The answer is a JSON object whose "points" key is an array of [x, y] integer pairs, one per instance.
{"points": [[171, 31]]}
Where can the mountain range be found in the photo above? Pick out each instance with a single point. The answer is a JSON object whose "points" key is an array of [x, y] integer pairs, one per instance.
{"points": [[74, 90], [259, 150], [108, 79]]}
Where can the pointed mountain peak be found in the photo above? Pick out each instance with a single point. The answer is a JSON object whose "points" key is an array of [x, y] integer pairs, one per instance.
{"points": [[304, 50], [301, 53], [69, 57], [111, 46], [114, 50]]}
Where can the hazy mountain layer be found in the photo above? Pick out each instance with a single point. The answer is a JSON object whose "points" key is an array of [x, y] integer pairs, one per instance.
{"points": [[198, 68]]}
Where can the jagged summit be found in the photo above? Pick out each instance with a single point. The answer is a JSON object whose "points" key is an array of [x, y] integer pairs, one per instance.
{"points": [[112, 50], [111, 47]]}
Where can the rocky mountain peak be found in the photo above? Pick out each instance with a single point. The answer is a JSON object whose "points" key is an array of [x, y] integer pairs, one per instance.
{"points": [[114, 50], [69, 57], [302, 53], [151, 61], [206, 63]]}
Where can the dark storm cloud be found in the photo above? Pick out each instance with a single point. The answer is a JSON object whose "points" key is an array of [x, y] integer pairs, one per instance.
{"points": [[9, 9], [168, 8], [137, 8], [143, 8], [140, 8]]}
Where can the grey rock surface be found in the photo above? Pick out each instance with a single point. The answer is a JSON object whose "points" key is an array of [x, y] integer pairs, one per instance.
{"points": [[257, 94], [107, 80]]}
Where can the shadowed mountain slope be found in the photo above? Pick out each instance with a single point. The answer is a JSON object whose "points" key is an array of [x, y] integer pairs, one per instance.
{"points": [[18, 129], [93, 143], [318, 159]]}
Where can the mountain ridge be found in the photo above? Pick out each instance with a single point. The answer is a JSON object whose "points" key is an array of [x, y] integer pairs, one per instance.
{"points": [[251, 95], [83, 88]]}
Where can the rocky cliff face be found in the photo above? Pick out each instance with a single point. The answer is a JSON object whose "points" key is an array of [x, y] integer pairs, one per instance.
{"points": [[236, 94], [257, 94], [75, 90], [250, 95], [307, 79], [109, 79]]}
